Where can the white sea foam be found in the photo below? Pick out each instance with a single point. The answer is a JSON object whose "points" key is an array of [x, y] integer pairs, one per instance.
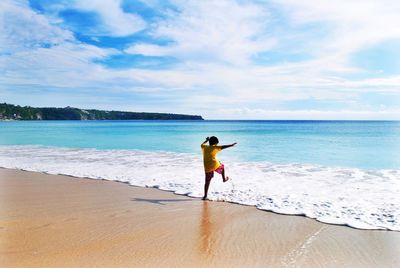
{"points": [[358, 198]]}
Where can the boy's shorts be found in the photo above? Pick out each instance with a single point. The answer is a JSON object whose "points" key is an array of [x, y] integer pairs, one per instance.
{"points": [[218, 170]]}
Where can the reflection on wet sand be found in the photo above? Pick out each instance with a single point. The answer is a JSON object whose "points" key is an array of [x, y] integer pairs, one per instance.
{"points": [[207, 234]]}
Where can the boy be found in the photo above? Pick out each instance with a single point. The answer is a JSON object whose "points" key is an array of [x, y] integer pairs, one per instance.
{"points": [[211, 163]]}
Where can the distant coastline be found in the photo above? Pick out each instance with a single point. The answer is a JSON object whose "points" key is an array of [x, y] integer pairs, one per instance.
{"points": [[10, 112]]}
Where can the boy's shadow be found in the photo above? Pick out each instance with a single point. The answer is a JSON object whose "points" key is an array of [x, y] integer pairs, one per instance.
{"points": [[159, 201]]}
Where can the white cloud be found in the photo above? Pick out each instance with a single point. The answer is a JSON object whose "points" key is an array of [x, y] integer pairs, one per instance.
{"points": [[150, 50], [356, 23], [201, 32], [65, 65], [211, 31], [113, 20], [264, 114], [118, 23], [35, 52], [21, 29]]}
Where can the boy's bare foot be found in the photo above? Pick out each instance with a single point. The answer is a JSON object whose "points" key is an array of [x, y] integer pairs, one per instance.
{"points": [[226, 179]]}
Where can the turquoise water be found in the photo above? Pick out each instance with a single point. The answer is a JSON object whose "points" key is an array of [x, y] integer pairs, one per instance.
{"points": [[356, 144]]}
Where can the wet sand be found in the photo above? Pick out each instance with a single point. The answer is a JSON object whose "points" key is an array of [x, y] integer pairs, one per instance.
{"points": [[61, 221]]}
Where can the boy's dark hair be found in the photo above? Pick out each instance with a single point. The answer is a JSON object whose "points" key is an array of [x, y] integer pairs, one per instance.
{"points": [[213, 140]]}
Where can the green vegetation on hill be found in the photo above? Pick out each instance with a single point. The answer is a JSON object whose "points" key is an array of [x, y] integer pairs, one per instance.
{"points": [[16, 112]]}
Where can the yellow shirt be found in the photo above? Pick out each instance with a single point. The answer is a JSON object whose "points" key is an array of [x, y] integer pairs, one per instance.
{"points": [[209, 157]]}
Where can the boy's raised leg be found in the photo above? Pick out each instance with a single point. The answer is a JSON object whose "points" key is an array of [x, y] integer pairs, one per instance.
{"points": [[224, 179]]}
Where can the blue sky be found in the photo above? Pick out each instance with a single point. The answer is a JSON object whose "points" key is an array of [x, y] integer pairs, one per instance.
{"points": [[236, 59]]}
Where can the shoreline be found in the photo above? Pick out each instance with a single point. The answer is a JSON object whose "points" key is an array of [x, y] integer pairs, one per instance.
{"points": [[223, 201], [59, 220]]}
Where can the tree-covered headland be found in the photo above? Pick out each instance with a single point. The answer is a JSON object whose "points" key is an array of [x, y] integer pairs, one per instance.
{"points": [[16, 112]]}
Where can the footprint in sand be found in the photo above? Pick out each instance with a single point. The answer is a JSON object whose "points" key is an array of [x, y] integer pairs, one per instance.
{"points": [[120, 214], [41, 226], [71, 219]]}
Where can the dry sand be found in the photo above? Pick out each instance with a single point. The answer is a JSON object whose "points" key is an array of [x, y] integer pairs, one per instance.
{"points": [[60, 221]]}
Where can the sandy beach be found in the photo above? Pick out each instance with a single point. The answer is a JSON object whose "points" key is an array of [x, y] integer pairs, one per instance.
{"points": [[61, 221]]}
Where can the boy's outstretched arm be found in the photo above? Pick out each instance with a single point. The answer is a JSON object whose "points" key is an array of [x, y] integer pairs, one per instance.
{"points": [[227, 146]]}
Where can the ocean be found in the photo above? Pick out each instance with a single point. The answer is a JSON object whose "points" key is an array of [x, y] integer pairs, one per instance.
{"points": [[340, 172]]}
